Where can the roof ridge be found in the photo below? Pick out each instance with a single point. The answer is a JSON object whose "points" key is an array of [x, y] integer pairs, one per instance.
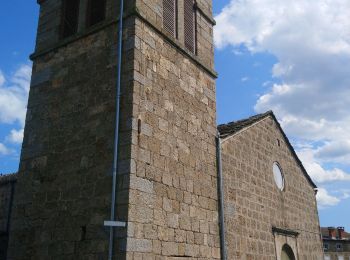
{"points": [[235, 126]]}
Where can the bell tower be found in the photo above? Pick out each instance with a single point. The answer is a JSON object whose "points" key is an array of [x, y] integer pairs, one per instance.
{"points": [[166, 182]]}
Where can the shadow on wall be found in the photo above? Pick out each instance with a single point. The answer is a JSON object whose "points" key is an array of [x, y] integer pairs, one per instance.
{"points": [[287, 253], [7, 188]]}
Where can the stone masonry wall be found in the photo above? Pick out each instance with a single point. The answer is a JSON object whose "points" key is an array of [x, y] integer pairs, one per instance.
{"points": [[167, 173], [254, 204], [7, 187], [64, 187], [152, 11], [173, 195], [49, 25]]}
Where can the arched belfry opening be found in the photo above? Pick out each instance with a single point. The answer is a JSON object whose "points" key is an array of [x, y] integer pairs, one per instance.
{"points": [[287, 253]]}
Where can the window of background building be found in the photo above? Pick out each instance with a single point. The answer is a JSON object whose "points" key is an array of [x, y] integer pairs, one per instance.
{"points": [[70, 15], [325, 246], [96, 12], [190, 25], [170, 16], [339, 246]]}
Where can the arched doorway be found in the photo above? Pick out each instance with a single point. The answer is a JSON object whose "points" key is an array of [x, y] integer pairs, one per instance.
{"points": [[287, 253]]}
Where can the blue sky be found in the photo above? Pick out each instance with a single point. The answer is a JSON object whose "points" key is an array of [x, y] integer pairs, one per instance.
{"points": [[18, 21], [292, 57]]}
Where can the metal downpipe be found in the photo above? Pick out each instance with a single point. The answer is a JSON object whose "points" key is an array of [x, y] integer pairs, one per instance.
{"points": [[116, 134], [223, 250]]}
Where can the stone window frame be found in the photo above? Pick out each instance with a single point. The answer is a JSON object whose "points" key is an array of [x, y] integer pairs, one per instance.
{"points": [[285, 236], [283, 188]]}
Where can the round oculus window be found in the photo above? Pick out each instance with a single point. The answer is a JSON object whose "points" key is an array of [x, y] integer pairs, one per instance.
{"points": [[278, 176]]}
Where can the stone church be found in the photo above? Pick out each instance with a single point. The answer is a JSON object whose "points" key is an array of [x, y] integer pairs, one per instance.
{"points": [[122, 157], [269, 199]]}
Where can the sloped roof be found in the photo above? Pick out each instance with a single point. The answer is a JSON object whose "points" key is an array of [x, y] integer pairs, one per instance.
{"points": [[325, 233], [6, 178], [229, 129]]}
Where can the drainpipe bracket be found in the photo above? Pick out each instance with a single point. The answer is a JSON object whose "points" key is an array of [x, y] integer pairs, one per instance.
{"points": [[109, 223]]}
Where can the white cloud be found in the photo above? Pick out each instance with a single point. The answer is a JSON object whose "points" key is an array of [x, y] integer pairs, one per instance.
{"points": [[343, 194], [13, 105], [2, 78], [15, 136], [317, 172], [14, 95], [324, 199], [346, 195], [265, 24], [244, 79], [237, 52], [335, 151], [311, 41], [4, 150]]}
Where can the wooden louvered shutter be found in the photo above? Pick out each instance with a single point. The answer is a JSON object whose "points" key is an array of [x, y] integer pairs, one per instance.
{"points": [[70, 17], [170, 16], [96, 11], [189, 25]]}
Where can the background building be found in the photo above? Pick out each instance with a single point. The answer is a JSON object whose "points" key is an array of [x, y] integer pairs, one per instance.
{"points": [[336, 243]]}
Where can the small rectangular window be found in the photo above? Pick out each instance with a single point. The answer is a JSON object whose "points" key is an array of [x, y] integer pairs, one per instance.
{"points": [[70, 17], [170, 16], [190, 25], [325, 246], [96, 12], [339, 246]]}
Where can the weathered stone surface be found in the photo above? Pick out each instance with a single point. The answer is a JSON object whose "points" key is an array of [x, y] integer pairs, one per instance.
{"points": [[167, 154], [254, 204], [167, 177], [178, 155], [141, 184], [139, 245], [7, 189], [64, 188]]}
